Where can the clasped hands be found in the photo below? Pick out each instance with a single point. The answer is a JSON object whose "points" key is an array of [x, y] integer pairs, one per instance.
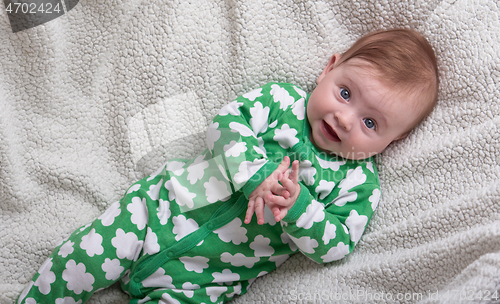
{"points": [[278, 191]]}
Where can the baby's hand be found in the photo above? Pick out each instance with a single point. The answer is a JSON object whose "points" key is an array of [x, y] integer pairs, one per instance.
{"points": [[280, 205], [269, 186]]}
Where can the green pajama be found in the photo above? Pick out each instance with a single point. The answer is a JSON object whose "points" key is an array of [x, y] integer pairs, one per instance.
{"points": [[178, 235]]}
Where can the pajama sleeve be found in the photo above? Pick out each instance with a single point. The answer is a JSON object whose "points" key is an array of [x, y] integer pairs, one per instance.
{"points": [[328, 232], [234, 135]]}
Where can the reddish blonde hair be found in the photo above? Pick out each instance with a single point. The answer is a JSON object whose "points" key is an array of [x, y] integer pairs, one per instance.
{"points": [[404, 59]]}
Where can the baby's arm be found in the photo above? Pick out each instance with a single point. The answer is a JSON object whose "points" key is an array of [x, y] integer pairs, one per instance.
{"points": [[328, 231]]}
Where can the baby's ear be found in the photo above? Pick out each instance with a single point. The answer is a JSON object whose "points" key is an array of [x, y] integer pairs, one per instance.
{"points": [[331, 64]]}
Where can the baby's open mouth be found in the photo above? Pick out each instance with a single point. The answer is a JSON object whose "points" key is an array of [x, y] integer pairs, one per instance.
{"points": [[329, 132]]}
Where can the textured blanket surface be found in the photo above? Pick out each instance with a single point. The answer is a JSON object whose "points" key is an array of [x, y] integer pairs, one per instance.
{"points": [[77, 93]]}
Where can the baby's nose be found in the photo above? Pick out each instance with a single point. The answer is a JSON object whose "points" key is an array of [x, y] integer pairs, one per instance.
{"points": [[343, 120]]}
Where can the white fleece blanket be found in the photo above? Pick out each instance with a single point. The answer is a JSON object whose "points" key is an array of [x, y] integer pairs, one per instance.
{"points": [[78, 92]]}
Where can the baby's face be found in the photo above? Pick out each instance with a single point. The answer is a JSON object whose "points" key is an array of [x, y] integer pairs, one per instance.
{"points": [[353, 115]]}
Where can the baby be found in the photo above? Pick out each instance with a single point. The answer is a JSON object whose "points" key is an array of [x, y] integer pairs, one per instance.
{"points": [[181, 235]]}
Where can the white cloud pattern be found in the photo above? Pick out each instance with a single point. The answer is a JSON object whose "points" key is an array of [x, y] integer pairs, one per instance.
{"points": [[213, 135], [315, 213], [306, 172], [247, 169], [306, 244], [135, 187], [327, 164], [168, 299], [183, 226], [345, 198], [299, 91], [65, 300], [196, 264], [127, 245], [324, 188], [374, 198], [226, 276], [157, 279], [197, 169], [151, 177], [216, 190], [231, 108], [234, 149], [356, 224], [46, 277], [182, 195], [77, 277], [261, 247], [299, 109], [92, 243], [253, 94], [215, 292], [66, 249], [176, 167], [242, 129], [329, 232], [354, 177], [233, 232], [336, 253], [139, 212], [112, 268], [163, 211], [285, 238], [151, 245], [108, 217], [187, 289], [286, 136], [369, 166], [259, 119], [154, 190], [239, 259], [281, 96]]}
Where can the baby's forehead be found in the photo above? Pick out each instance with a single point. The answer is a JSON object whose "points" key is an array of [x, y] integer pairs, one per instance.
{"points": [[407, 107]]}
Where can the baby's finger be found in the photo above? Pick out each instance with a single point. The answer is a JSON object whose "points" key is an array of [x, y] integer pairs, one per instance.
{"points": [[291, 183], [285, 176], [259, 210], [278, 200], [250, 211], [280, 214], [276, 211], [285, 194], [278, 189], [283, 166], [288, 183], [295, 171]]}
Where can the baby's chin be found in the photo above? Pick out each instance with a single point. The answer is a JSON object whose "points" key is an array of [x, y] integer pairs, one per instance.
{"points": [[352, 155]]}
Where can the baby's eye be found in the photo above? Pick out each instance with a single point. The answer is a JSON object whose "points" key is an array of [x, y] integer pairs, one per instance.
{"points": [[369, 123], [344, 93]]}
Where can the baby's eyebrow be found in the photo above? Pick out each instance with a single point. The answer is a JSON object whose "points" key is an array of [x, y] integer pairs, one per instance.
{"points": [[379, 117], [383, 120], [351, 85]]}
